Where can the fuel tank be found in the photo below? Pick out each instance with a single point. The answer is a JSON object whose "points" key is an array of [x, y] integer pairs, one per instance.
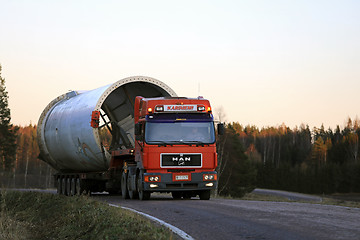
{"points": [[70, 127]]}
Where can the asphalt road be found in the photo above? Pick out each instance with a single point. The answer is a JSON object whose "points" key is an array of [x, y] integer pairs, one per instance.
{"points": [[240, 219]]}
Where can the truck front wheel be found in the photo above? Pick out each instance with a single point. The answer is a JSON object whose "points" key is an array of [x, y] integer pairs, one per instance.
{"points": [[124, 191], [143, 195], [204, 195]]}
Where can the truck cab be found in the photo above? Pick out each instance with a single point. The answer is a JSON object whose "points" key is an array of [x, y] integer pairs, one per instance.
{"points": [[175, 149]]}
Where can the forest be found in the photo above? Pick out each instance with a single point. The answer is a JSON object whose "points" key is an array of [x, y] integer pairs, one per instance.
{"points": [[303, 160], [27, 171], [318, 160]]}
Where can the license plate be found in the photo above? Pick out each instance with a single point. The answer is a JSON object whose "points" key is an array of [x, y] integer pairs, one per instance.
{"points": [[181, 177]]}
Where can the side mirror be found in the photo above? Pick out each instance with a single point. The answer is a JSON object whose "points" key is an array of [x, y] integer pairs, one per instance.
{"points": [[137, 129], [221, 129]]}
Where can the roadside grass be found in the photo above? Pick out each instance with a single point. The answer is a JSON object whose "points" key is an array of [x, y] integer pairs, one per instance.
{"points": [[339, 202], [327, 200], [33, 215]]}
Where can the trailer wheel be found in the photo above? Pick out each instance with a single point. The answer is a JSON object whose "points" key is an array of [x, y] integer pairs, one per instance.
{"points": [[73, 187], [78, 189], [58, 187], [63, 186], [124, 191], [143, 195], [68, 186], [204, 195]]}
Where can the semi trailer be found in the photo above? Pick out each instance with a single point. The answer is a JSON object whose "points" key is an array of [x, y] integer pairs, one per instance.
{"points": [[159, 142]]}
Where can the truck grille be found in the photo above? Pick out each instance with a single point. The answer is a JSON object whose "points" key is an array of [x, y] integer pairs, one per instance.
{"points": [[181, 160]]}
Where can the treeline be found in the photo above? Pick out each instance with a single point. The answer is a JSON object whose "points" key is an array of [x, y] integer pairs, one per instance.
{"points": [[301, 160], [27, 171]]}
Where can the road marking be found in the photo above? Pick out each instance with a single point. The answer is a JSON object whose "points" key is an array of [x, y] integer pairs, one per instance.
{"points": [[174, 229]]}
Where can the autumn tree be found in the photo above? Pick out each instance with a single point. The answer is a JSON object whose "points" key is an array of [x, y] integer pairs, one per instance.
{"points": [[351, 138], [319, 153], [7, 130]]}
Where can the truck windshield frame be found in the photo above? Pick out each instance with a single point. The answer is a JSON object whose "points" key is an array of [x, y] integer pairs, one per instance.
{"points": [[179, 132]]}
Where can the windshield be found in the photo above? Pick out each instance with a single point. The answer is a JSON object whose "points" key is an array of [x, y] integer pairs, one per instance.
{"points": [[179, 132]]}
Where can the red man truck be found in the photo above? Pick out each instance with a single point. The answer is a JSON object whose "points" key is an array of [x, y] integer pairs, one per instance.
{"points": [[175, 149], [160, 142]]}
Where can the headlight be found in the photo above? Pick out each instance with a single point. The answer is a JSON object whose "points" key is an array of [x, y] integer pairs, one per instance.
{"points": [[209, 177]]}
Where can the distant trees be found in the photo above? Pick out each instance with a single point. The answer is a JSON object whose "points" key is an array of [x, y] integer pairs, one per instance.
{"points": [[237, 175], [7, 130], [28, 171], [301, 160]]}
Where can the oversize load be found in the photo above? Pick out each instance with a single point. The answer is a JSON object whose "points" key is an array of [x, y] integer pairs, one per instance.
{"points": [[180, 108], [182, 160]]}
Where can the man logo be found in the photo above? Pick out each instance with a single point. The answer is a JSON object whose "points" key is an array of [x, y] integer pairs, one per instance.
{"points": [[181, 160]]}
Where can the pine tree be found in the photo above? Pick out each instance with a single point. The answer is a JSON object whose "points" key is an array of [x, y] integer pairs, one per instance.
{"points": [[7, 130], [239, 175]]}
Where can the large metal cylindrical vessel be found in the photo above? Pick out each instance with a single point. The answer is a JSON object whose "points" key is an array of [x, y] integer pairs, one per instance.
{"points": [[69, 143]]}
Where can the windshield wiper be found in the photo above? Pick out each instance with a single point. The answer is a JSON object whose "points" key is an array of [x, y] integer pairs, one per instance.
{"points": [[198, 143], [161, 143], [170, 143]]}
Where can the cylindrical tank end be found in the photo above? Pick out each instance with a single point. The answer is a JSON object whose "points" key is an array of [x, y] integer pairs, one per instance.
{"points": [[71, 128]]}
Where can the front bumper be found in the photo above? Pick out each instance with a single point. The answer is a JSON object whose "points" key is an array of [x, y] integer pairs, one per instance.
{"points": [[168, 182]]}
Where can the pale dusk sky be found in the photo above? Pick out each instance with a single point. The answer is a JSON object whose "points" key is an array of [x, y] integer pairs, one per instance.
{"points": [[265, 62]]}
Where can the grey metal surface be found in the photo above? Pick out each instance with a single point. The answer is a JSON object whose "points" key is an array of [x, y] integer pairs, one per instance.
{"points": [[69, 143]]}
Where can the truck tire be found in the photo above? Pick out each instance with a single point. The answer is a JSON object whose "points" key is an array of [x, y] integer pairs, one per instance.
{"points": [[63, 186], [124, 190], [58, 187], [73, 187], [204, 195], [78, 187], [133, 194], [68, 186], [143, 195]]}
